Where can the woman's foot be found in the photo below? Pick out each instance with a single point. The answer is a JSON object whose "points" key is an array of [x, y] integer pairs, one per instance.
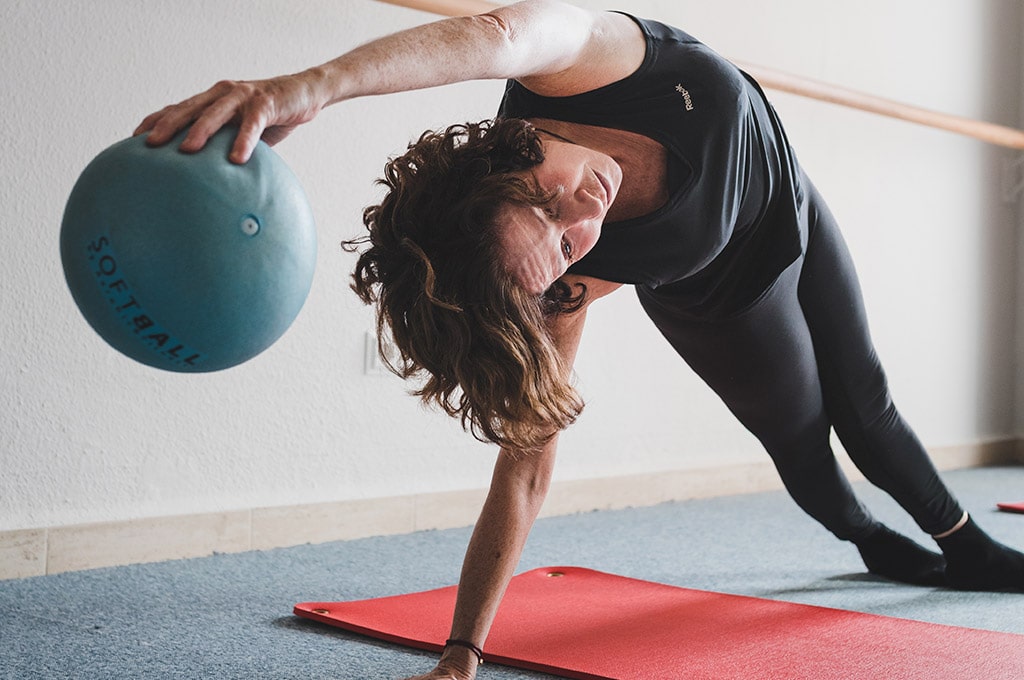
{"points": [[976, 561], [894, 556]]}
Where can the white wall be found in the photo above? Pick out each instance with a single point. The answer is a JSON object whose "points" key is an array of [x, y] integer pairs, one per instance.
{"points": [[1019, 373], [86, 435]]}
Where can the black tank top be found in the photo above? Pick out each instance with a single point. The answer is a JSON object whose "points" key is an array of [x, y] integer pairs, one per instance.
{"points": [[729, 226]]}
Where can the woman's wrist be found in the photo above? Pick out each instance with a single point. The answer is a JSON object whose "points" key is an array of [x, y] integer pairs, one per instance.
{"points": [[453, 642], [323, 84], [461, 661]]}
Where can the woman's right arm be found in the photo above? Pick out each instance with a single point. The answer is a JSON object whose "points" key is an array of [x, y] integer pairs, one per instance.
{"points": [[518, 488], [557, 47]]}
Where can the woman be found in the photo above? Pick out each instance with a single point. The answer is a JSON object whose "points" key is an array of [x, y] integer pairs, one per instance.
{"points": [[625, 152]]}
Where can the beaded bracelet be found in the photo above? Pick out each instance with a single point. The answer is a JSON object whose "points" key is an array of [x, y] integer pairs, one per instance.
{"points": [[468, 645]]}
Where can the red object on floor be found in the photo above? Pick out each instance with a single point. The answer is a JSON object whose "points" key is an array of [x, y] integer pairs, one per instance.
{"points": [[1011, 507], [579, 623]]}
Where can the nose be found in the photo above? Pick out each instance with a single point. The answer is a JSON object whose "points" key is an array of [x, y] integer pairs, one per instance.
{"points": [[586, 205]]}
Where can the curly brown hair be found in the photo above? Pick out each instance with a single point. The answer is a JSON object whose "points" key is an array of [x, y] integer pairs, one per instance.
{"points": [[435, 271]]}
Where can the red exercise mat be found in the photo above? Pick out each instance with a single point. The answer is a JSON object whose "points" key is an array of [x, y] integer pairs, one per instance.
{"points": [[580, 623], [1011, 507]]}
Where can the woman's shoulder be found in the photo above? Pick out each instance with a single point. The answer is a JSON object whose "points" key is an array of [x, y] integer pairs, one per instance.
{"points": [[616, 48]]}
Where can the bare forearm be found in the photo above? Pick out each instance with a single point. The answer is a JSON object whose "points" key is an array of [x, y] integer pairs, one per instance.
{"points": [[517, 493], [518, 489], [450, 51], [515, 41]]}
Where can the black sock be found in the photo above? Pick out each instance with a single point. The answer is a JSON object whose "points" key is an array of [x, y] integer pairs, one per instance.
{"points": [[975, 561], [894, 556]]}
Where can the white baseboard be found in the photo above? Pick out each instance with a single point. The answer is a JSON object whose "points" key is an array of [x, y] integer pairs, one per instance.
{"points": [[52, 550]]}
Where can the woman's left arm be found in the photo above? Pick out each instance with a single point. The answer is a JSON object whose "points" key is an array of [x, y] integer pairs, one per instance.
{"points": [[552, 46]]}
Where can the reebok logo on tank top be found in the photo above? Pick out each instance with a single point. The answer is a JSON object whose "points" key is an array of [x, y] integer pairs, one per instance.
{"points": [[686, 97]]}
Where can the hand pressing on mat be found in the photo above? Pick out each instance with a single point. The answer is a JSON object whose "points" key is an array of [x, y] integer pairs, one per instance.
{"points": [[443, 672], [459, 662]]}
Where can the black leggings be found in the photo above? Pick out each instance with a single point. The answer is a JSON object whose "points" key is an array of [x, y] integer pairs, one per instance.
{"points": [[800, 361]]}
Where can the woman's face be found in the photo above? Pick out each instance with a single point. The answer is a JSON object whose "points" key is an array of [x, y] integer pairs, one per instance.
{"points": [[540, 242]]}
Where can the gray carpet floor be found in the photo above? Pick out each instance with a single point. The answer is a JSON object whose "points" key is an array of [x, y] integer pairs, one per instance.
{"points": [[229, 616]]}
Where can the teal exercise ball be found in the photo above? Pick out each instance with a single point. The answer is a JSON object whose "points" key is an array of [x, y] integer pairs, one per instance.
{"points": [[188, 262]]}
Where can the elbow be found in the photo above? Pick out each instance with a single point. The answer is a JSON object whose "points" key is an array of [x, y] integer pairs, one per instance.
{"points": [[519, 36], [535, 489], [501, 36], [534, 485], [522, 481], [495, 23], [531, 498]]}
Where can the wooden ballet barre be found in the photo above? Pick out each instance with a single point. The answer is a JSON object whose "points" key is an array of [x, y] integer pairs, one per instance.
{"points": [[773, 79], [448, 8], [834, 94]]}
